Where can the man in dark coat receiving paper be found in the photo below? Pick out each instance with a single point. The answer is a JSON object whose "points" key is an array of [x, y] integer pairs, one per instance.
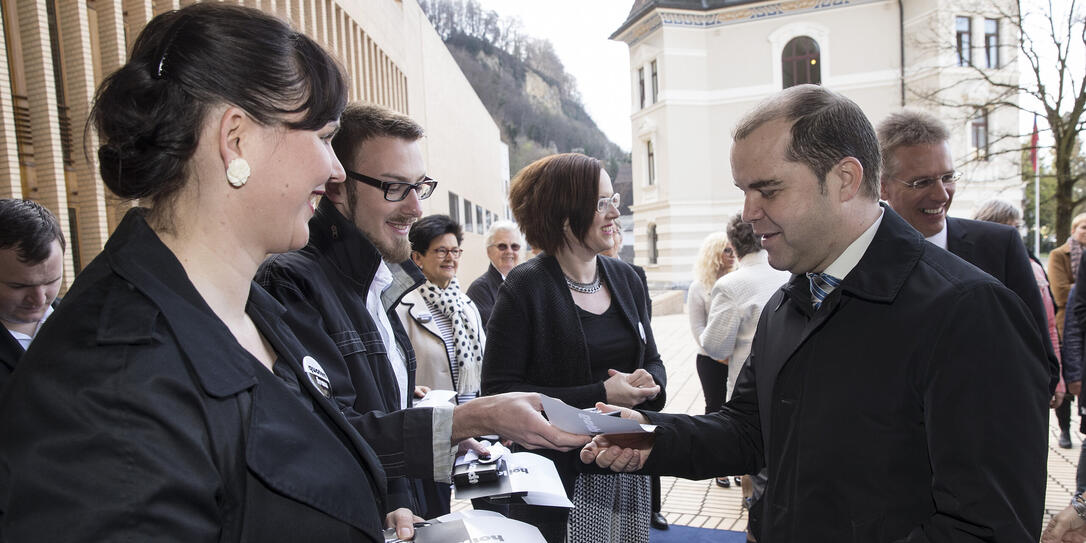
{"points": [[860, 396]]}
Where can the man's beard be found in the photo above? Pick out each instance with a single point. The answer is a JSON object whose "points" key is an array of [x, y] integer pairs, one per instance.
{"points": [[398, 252]]}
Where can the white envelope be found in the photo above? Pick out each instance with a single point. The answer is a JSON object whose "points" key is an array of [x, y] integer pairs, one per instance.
{"points": [[582, 422]]}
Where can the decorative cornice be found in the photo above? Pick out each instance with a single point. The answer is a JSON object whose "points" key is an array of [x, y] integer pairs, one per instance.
{"points": [[728, 16]]}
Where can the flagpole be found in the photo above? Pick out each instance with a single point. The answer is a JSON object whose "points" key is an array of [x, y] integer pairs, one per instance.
{"points": [[1036, 192], [1036, 211]]}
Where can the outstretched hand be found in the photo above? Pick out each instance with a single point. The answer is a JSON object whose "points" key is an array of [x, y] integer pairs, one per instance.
{"points": [[514, 416], [1065, 526], [619, 452]]}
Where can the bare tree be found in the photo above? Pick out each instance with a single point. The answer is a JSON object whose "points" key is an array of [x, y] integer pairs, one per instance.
{"points": [[1050, 42]]}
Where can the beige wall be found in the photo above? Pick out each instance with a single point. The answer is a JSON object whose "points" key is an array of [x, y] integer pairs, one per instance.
{"points": [[715, 66]]}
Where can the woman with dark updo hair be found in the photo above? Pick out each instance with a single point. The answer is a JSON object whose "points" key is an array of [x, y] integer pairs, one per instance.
{"points": [[165, 400]]}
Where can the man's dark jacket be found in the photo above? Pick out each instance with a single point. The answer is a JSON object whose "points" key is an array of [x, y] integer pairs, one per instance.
{"points": [[11, 351], [484, 290], [902, 410], [324, 287], [997, 250]]}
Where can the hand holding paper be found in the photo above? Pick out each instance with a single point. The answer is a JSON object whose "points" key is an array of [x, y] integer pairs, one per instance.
{"points": [[620, 452], [402, 522], [515, 416], [582, 421]]}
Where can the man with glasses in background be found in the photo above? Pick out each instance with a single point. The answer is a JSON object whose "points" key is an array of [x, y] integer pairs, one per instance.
{"points": [[918, 181], [340, 292], [503, 244]]}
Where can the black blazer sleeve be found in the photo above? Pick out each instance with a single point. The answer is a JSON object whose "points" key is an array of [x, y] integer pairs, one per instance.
{"points": [[1072, 349], [734, 434], [1079, 296], [650, 359], [1019, 278], [645, 283]]}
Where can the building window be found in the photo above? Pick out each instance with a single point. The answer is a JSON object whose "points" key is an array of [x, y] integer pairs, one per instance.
{"points": [[651, 155], [478, 219], [800, 62], [454, 206], [655, 84], [641, 85], [654, 254], [468, 223], [978, 129], [964, 28], [489, 219], [991, 43]]}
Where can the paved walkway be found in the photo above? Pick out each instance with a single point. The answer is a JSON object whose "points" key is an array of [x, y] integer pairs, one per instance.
{"points": [[703, 504]]}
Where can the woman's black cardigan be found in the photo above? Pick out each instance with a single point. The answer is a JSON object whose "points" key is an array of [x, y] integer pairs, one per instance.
{"points": [[535, 342]]}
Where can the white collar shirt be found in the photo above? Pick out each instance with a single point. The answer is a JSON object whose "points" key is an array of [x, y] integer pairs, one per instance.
{"points": [[24, 339], [381, 281], [841, 267], [939, 239]]}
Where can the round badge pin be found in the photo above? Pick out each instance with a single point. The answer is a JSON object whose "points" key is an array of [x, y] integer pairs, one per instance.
{"points": [[317, 376]]}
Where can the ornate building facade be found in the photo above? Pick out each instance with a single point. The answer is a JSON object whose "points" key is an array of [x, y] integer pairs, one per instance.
{"points": [[698, 65], [56, 52]]}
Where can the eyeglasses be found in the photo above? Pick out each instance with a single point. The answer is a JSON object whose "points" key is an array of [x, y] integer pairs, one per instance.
{"points": [[505, 246], [729, 251], [396, 191], [442, 252], [614, 199], [921, 183]]}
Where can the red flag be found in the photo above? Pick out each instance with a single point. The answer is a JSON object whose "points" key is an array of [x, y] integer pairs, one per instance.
{"points": [[1033, 145]]}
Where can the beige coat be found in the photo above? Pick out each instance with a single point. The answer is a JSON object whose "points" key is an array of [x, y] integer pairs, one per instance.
{"points": [[1060, 279], [430, 355]]}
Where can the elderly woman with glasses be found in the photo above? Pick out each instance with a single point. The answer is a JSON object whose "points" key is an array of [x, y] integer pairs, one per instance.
{"points": [[574, 325], [444, 325], [503, 243]]}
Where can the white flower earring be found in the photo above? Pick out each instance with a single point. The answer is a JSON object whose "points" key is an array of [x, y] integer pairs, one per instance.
{"points": [[237, 173]]}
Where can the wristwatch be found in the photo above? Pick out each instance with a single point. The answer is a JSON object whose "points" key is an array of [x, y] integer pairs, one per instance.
{"points": [[1079, 504]]}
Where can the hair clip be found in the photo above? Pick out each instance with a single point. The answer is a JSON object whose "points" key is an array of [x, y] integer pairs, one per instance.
{"points": [[160, 73]]}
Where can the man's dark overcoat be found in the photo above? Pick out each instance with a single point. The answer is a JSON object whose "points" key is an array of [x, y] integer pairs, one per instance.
{"points": [[912, 406]]}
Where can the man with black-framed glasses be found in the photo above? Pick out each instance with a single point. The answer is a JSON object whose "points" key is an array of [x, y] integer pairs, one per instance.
{"points": [[918, 181], [341, 291]]}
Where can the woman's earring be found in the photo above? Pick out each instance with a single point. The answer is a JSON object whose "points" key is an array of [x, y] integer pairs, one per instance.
{"points": [[237, 173]]}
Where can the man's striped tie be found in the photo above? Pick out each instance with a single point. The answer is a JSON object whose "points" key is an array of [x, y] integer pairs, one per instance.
{"points": [[822, 284]]}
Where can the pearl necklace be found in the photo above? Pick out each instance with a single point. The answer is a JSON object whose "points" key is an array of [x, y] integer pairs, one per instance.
{"points": [[585, 288]]}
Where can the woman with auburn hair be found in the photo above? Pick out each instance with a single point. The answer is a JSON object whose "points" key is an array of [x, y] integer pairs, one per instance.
{"points": [[574, 325], [165, 399]]}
